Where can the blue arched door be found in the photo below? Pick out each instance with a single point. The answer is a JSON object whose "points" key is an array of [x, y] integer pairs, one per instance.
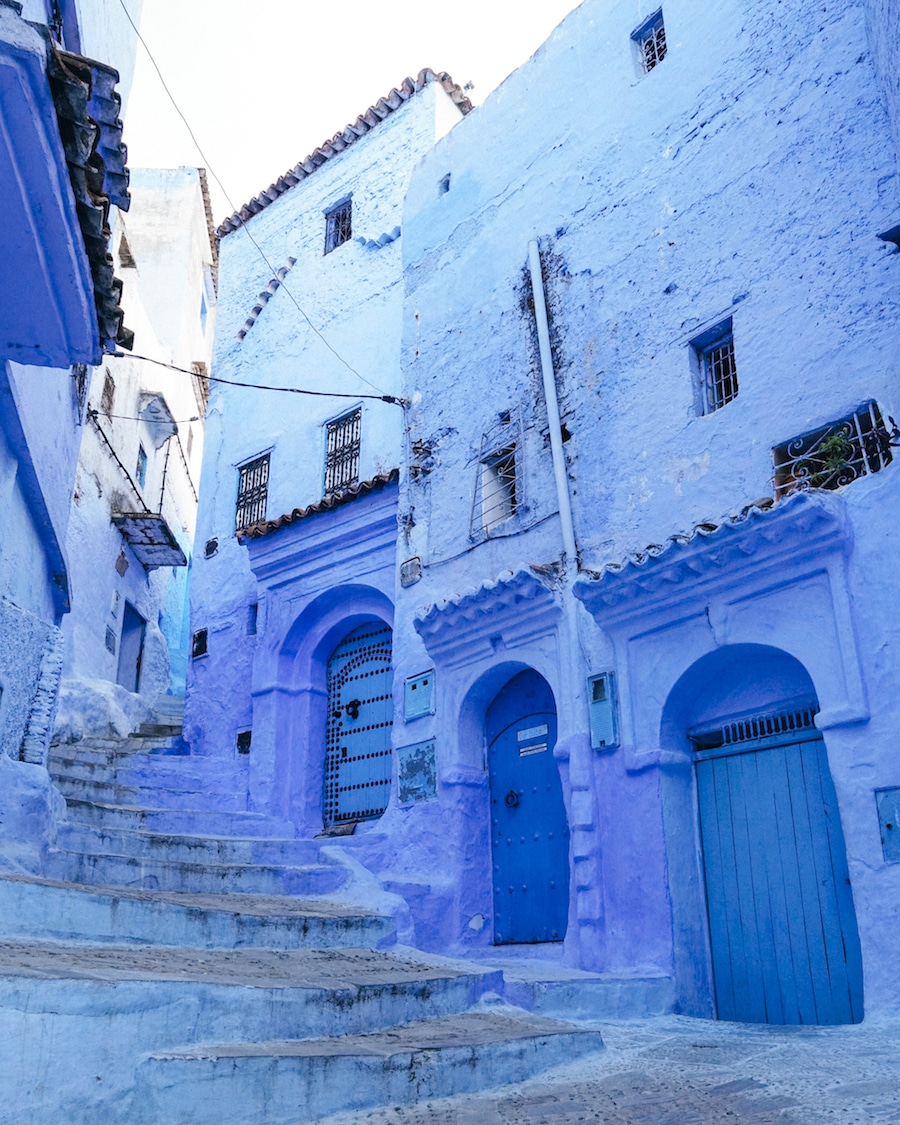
{"points": [[529, 831], [785, 946], [360, 717]]}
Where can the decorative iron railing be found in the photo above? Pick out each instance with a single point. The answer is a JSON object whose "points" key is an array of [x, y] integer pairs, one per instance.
{"points": [[836, 454]]}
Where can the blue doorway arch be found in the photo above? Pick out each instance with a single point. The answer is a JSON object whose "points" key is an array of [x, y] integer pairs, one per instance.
{"points": [[529, 830]]}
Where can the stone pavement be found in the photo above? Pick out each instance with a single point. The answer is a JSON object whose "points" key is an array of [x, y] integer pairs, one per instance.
{"points": [[673, 1070]]}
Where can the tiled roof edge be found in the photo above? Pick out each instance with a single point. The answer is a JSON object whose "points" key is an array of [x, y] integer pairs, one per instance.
{"points": [[373, 116], [266, 527]]}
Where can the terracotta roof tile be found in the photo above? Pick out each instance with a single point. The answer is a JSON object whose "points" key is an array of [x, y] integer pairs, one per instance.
{"points": [[375, 114], [266, 527]]}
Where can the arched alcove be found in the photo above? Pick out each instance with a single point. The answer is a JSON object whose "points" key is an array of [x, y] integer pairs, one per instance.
{"points": [[764, 925]]}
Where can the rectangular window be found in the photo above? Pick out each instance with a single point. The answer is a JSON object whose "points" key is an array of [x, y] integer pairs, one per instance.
{"points": [[716, 366], [108, 397], [342, 453], [338, 225], [499, 493], [253, 489], [650, 42], [141, 467], [836, 454], [199, 644]]}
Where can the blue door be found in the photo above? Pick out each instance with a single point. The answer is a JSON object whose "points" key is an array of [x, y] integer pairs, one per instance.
{"points": [[785, 947], [360, 717], [529, 832]]}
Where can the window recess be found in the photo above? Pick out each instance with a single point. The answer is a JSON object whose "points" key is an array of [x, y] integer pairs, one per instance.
{"points": [[716, 367], [342, 446], [338, 225], [650, 42], [253, 491], [498, 486], [836, 454]]}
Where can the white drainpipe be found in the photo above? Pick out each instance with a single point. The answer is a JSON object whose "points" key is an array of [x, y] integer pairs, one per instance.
{"points": [[556, 445]]}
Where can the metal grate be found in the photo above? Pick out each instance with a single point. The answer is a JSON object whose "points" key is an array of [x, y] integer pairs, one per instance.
{"points": [[253, 489], [836, 454], [338, 225], [342, 453], [499, 499], [755, 728], [360, 718], [719, 374], [650, 38]]}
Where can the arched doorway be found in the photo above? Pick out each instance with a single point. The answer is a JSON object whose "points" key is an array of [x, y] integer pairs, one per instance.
{"points": [[529, 831], [359, 722], [782, 926]]}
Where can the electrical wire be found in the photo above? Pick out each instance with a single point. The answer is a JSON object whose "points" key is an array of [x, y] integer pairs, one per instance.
{"points": [[234, 208], [149, 421], [259, 386]]}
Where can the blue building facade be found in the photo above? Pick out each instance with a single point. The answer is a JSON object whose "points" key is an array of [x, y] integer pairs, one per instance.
{"points": [[636, 562]]}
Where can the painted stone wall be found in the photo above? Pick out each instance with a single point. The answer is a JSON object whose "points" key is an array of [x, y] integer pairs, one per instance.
{"points": [[352, 296], [745, 177]]}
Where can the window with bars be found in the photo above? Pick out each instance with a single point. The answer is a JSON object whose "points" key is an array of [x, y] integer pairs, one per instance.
{"points": [[253, 489], [836, 454], [141, 466], [650, 42], [499, 499], [338, 225], [342, 452], [716, 366]]}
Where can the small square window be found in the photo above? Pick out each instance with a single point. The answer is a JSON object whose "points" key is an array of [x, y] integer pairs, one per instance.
{"points": [[650, 42], [253, 491], [244, 739], [141, 467], [199, 644], [338, 225], [716, 366], [499, 492], [342, 452]]}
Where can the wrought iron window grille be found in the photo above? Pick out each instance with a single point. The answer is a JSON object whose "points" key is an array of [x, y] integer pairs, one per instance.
{"points": [[253, 491], [497, 496], [338, 225], [141, 466], [650, 42], [836, 454], [342, 449], [716, 367]]}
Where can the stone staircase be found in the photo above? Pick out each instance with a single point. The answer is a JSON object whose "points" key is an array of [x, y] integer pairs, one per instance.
{"points": [[184, 960]]}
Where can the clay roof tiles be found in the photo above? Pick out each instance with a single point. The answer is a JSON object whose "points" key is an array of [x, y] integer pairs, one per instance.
{"points": [[366, 121], [326, 504]]}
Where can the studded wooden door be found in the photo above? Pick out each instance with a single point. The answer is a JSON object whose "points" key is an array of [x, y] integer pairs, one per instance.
{"points": [[529, 832], [785, 946], [360, 717]]}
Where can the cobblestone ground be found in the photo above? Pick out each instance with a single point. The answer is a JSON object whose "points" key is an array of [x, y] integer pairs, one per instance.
{"points": [[679, 1071]]}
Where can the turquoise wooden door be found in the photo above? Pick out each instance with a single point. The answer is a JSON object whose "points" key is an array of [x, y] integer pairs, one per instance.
{"points": [[360, 717], [785, 947], [529, 832]]}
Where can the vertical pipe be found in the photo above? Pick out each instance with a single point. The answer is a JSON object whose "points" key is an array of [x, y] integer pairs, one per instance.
{"points": [[556, 446]]}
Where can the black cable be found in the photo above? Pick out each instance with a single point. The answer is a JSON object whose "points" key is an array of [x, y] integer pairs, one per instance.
{"points": [[231, 204], [258, 386]]}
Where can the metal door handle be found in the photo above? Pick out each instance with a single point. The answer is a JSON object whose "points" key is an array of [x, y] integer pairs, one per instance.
{"points": [[511, 799], [353, 707]]}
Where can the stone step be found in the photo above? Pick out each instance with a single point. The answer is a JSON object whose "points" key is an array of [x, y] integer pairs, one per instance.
{"points": [[178, 821], [52, 910], [139, 769], [290, 1081], [187, 848], [149, 794], [167, 874], [111, 1005], [159, 730], [110, 749]]}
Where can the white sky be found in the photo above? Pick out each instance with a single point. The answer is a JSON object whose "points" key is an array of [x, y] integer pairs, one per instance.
{"points": [[264, 83]]}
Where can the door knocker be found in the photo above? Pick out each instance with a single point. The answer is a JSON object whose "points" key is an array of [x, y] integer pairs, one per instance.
{"points": [[353, 707], [511, 799]]}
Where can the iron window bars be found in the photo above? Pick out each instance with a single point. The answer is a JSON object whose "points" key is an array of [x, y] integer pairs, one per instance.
{"points": [[650, 40], [498, 494], [717, 366], [836, 454], [253, 490], [338, 225], [342, 452]]}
